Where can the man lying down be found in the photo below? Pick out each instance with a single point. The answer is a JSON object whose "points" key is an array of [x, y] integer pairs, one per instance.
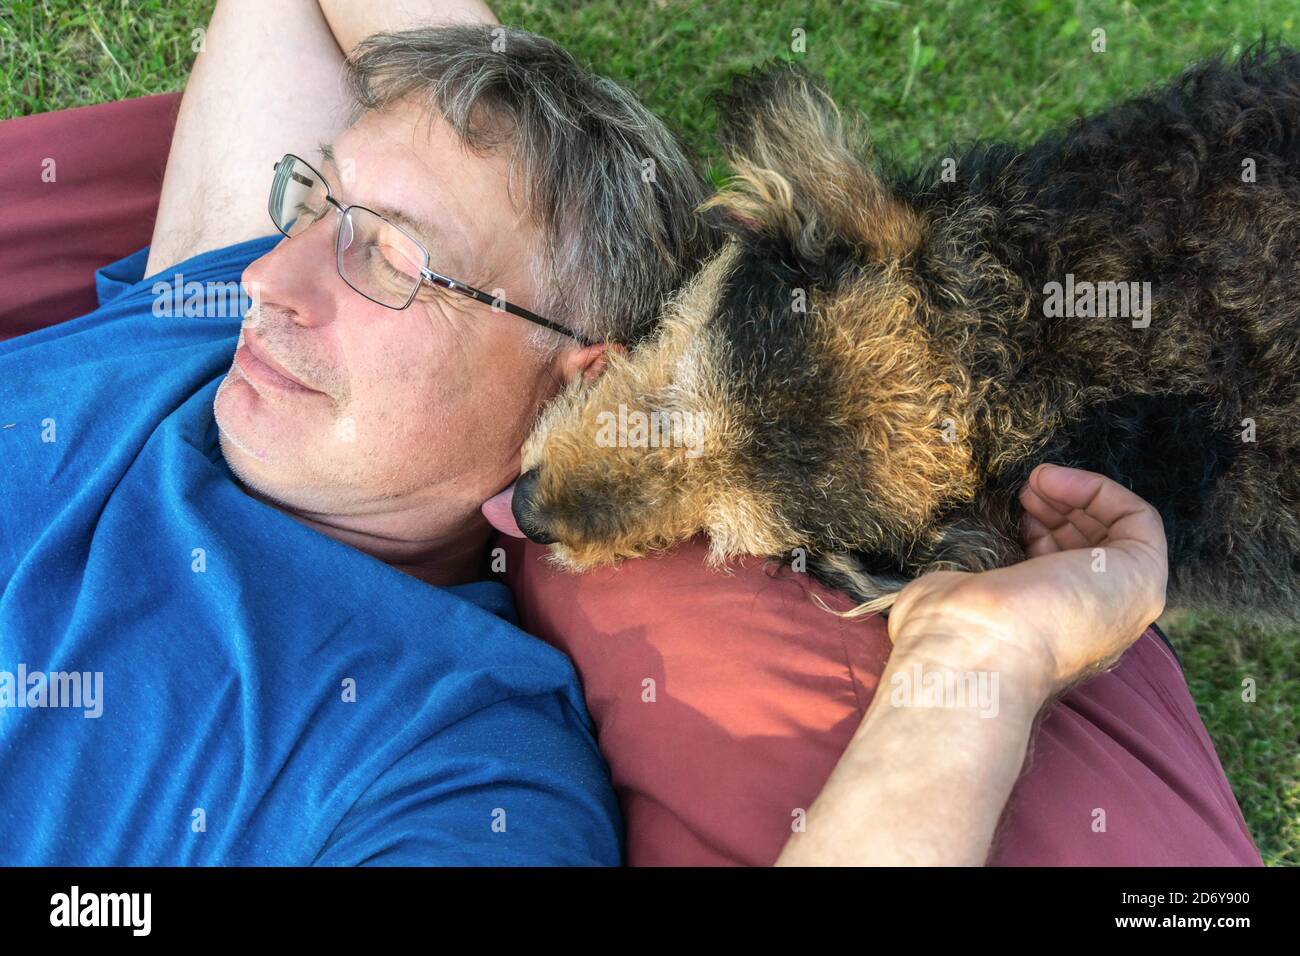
{"points": [[234, 531], [245, 617]]}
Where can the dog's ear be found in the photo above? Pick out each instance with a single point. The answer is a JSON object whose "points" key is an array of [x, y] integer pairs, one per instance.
{"points": [[799, 174]]}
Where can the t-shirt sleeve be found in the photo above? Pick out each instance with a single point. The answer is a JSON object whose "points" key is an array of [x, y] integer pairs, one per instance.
{"points": [[517, 783]]}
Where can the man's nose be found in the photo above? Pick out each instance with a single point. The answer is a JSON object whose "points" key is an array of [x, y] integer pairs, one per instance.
{"points": [[296, 277], [521, 506]]}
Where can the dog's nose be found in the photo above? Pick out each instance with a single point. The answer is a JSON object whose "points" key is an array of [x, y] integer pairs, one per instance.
{"points": [[521, 506]]}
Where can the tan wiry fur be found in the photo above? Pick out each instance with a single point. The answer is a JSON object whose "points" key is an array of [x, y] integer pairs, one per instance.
{"points": [[662, 495]]}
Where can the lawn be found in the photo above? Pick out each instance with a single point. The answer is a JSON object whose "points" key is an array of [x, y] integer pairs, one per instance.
{"points": [[925, 74]]}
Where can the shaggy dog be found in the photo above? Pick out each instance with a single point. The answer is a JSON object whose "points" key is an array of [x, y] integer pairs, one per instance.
{"points": [[865, 374]]}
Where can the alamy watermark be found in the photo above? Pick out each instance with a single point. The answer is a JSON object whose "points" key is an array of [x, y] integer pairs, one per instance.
{"points": [[1098, 300], [23, 689], [200, 300], [133, 911], [637, 429], [965, 690]]}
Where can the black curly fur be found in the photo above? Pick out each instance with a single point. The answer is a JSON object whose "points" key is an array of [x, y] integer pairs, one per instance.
{"points": [[1149, 191]]}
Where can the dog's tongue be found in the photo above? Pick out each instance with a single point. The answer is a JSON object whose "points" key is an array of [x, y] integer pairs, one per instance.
{"points": [[497, 510]]}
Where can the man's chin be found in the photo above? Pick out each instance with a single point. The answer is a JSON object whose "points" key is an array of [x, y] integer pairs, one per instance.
{"points": [[249, 426], [232, 431], [255, 474], [274, 473]]}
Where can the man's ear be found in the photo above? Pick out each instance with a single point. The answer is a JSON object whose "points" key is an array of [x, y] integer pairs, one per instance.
{"points": [[589, 362]]}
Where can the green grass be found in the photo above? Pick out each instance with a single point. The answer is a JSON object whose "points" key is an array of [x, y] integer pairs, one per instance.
{"points": [[926, 75], [1258, 741]]}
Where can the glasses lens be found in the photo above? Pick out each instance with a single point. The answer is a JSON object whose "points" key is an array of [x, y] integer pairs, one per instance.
{"points": [[297, 197], [378, 259]]}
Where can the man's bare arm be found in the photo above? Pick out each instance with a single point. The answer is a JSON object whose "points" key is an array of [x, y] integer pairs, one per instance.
{"points": [[352, 22], [921, 785], [266, 82]]}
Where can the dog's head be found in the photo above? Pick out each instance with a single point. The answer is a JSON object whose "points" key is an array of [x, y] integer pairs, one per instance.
{"points": [[790, 398]]}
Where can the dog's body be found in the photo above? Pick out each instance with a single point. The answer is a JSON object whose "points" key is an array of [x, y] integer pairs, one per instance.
{"points": [[882, 360]]}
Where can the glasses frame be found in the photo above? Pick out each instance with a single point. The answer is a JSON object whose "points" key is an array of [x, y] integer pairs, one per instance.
{"points": [[426, 274]]}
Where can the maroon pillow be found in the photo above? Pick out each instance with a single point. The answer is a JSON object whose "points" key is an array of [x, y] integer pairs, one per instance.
{"points": [[722, 703], [105, 165]]}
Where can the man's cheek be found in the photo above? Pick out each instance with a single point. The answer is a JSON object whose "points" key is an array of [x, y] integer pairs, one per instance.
{"points": [[393, 425], [344, 430]]}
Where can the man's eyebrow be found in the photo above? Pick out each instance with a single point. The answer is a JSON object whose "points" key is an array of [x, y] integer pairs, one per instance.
{"points": [[326, 152], [424, 230]]}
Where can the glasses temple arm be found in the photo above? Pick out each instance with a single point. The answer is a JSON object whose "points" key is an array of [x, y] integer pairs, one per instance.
{"points": [[523, 313]]}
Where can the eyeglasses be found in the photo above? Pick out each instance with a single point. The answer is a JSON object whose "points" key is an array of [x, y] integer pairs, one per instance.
{"points": [[376, 257]]}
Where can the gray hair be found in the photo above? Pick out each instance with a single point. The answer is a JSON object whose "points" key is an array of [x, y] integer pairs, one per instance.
{"points": [[611, 189]]}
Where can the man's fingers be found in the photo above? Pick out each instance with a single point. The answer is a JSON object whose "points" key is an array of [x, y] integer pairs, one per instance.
{"points": [[1082, 509], [1106, 501], [1037, 537], [1069, 527], [1094, 494]]}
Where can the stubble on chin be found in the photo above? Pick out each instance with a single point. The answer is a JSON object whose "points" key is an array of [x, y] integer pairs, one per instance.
{"points": [[227, 436]]}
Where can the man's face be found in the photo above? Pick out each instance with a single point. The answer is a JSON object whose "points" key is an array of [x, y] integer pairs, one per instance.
{"points": [[407, 408]]}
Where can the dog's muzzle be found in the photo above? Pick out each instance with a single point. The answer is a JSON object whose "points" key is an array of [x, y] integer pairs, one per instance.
{"points": [[511, 511]]}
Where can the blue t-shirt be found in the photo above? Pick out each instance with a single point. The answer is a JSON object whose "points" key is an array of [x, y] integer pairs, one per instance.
{"points": [[189, 676]]}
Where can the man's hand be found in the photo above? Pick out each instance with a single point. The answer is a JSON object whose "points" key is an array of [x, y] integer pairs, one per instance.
{"points": [[1094, 581], [922, 783]]}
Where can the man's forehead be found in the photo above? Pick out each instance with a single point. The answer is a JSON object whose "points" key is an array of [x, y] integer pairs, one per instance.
{"points": [[422, 226], [409, 165]]}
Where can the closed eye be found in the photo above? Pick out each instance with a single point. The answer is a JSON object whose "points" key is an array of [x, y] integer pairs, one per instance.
{"points": [[302, 209]]}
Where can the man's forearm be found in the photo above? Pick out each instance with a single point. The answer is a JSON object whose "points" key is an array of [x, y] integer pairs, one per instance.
{"points": [[351, 22], [926, 776]]}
